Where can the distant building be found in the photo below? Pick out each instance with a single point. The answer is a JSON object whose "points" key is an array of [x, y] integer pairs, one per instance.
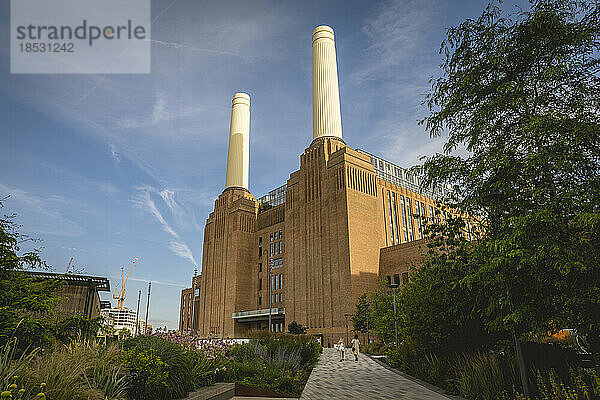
{"points": [[80, 293], [124, 318]]}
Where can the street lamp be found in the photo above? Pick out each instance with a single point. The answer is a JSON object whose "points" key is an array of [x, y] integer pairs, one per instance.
{"points": [[346, 316], [270, 283], [394, 286]]}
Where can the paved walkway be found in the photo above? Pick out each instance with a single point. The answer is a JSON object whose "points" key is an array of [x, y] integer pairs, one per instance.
{"points": [[364, 379]]}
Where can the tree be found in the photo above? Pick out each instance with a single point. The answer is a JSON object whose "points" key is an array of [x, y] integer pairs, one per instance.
{"points": [[383, 313], [361, 320], [26, 304], [522, 94], [436, 313], [296, 329], [77, 328]]}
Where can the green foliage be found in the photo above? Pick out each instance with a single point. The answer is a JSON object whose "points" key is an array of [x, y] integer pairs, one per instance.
{"points": [[486, 375], [77, 328], [165, 367], [522, 94], [280, 363], [296, 329], [383, 313], [11, 364], [77, 371], [25, 304], [361, 320], [437, 312], [150, 374], [426, 366], [375, 348], [204, 369]]}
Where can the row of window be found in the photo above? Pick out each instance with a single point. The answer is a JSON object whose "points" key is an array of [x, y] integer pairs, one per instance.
{"points": [[276, 245], [277, 282], [400, 209], [275, 298], [276, 248], [388, 279]]}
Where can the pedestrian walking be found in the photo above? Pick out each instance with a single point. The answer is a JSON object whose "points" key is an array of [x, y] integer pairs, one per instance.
{"points": [[355, 347], [341, 349]]}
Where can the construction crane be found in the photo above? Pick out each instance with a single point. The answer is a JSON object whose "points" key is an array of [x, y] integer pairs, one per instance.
{"points": [[69, 265], [119, 294]]}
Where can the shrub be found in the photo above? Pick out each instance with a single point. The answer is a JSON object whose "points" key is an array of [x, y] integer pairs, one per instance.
{"points": [[77, 328], [12, 365], [65, 371], [375, 348], [486, 375], [296, 329], [166, 367], [425, 366], [107, 372], [276, 362], [149, 374], [205, 368], [581, 385]]}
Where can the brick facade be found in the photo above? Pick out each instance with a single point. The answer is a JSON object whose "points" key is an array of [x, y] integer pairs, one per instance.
{"points": [[339, 230]]}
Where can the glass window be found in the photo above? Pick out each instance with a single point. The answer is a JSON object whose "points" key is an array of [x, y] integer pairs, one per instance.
{"points": [[260, 240], [394, 208], [391, 218], [404, 278], [259, 252], [281, 283], [280, 234], [260, 301], [410, 220], [260, 284], [259, 267], [280, 247], [272, 282], [397, 279], [271, 237], [271, 249], [280, 297], [404, 223]]}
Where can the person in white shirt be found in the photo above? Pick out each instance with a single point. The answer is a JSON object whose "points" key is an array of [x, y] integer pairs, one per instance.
{"points": [[341, 349]]}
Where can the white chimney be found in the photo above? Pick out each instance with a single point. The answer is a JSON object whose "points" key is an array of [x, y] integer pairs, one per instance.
{"points": [[239, 142], [327, 120]]}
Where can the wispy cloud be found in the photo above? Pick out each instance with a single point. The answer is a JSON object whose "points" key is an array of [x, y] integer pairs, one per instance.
{"points": [[143, 201], [182, 250], [154, 281], [397, 62], [41, 214]]}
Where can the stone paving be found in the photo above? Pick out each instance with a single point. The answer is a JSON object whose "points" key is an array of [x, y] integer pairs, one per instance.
{"points": [[364, 379]]}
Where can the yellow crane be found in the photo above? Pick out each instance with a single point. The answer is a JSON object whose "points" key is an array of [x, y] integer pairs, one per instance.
{"points": [[119, 294]]}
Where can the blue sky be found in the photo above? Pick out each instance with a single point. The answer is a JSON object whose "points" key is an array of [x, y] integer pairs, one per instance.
{"points": [[105, 168]]}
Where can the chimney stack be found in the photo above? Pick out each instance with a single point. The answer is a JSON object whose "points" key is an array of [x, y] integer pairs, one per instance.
{"points": [[239, 142], [327, 120]]}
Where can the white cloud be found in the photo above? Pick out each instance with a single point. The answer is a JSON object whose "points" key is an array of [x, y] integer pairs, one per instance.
{"points": [[41, 214], [182, 250], [144, 202]]}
